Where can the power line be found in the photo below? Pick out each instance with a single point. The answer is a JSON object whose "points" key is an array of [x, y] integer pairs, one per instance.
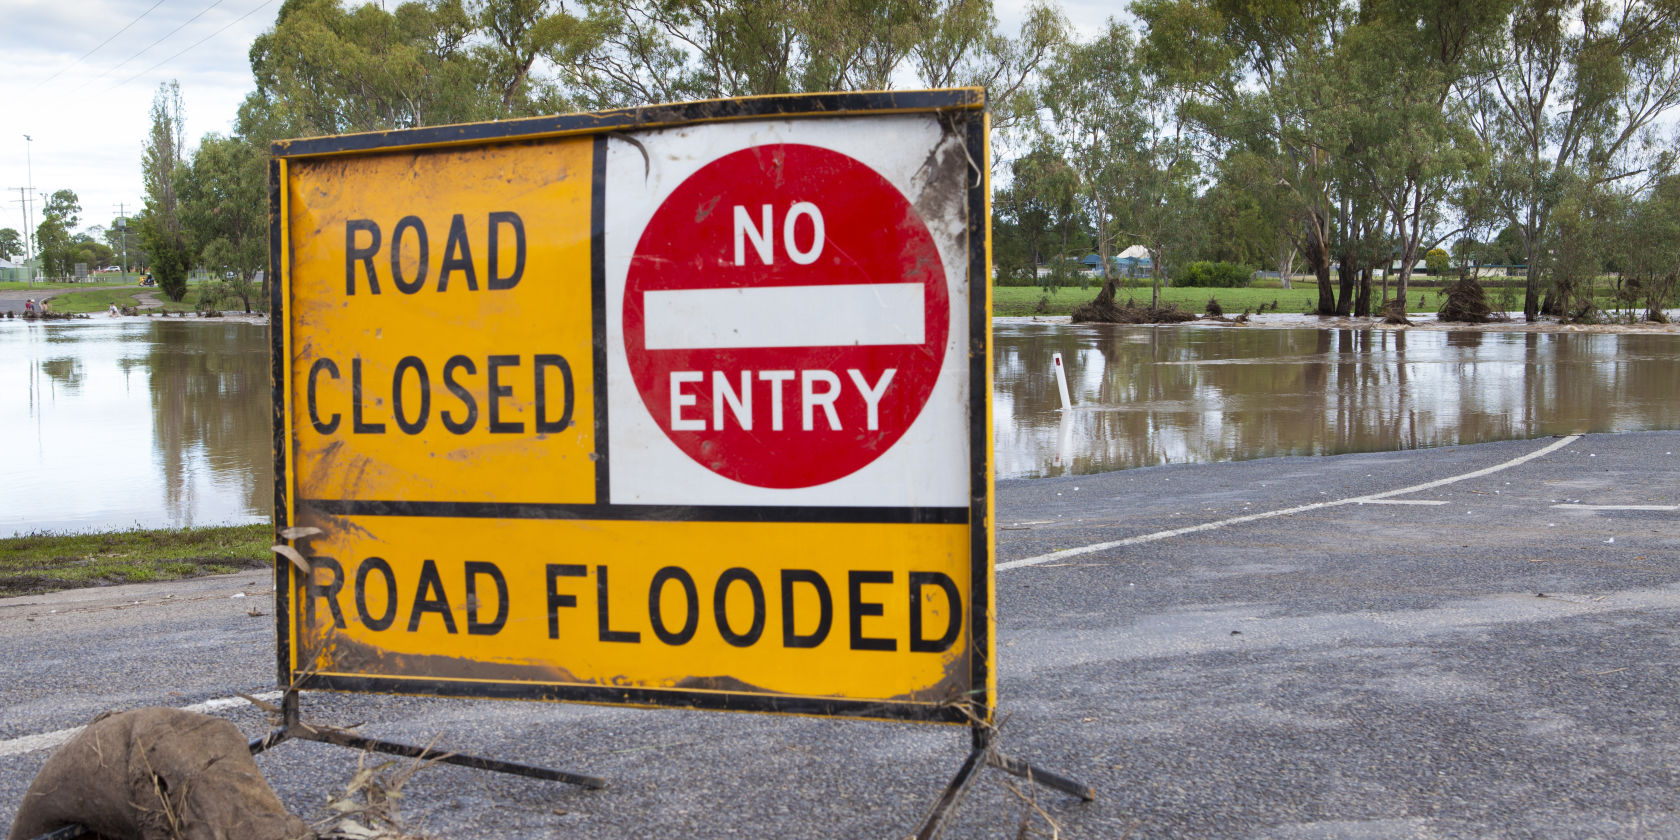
{"points": [[155, 43], [102, 43], [237, 20]]}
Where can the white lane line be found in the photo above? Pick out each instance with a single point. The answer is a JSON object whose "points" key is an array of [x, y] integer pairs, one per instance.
{"points": [[1209, 526], [1619, 507], [1403, 502], [48, 740]]}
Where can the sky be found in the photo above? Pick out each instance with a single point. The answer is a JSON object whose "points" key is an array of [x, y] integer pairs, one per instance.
{"points": [[80, 76]]}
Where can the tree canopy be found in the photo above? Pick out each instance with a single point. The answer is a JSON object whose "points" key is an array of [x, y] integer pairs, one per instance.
{"points": [[1351, 137]]}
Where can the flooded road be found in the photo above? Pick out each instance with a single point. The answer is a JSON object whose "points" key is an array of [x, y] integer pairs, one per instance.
{"points": [[1148, 395], [116, 423]]}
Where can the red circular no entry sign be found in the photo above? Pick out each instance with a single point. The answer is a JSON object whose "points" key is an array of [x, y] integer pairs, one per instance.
{"points": [[785, 315]]}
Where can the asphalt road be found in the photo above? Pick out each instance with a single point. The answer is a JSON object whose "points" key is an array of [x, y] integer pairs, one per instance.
{"points": [[1245, 653]]}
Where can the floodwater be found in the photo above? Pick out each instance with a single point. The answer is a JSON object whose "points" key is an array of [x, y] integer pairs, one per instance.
{"points": [[113, 423], [1143, 396], [117, 423]]}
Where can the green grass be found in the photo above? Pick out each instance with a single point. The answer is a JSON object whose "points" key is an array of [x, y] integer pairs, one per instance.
{"points": [[45, 562], [1018, 300], [1023, 300], [92, 300], [19, 285], [99, 300]]}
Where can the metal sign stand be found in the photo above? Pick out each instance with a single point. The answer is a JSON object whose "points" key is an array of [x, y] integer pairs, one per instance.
{"points": [[292, 727], [985, 753]]}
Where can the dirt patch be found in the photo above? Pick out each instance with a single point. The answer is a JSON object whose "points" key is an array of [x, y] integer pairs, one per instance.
{"points": [[156, 774]]}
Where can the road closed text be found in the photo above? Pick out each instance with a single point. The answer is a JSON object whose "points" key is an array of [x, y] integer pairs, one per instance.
{"points": [[502, 393]]}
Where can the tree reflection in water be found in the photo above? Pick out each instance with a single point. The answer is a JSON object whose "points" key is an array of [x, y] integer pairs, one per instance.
{"points": [[210, 408], [1148, 395]]}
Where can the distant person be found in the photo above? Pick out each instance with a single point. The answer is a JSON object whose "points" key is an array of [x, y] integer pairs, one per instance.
{"points": [[29, 307], [114, 312]]}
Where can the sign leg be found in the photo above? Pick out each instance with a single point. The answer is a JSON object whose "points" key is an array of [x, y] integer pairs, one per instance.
{"points": [[1017, 767], [291, 726], [984, 752], [947, 803], [357, 742]]}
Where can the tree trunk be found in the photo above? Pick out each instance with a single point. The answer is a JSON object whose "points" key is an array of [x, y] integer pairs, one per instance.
{"points": [[1531, 282], [1318, 257], [1362, 304]]}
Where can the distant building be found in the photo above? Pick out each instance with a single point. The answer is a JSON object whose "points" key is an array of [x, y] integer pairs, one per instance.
{"points": [[13, 271], [1135, 261], [1132, 262]]}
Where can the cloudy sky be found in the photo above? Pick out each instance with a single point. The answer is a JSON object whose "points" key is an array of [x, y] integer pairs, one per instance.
{"points": [[80, 76], [79, 80]]}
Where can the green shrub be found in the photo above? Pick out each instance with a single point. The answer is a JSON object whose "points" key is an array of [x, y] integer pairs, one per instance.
{"points": [[1437, 261], [1213, 275]]}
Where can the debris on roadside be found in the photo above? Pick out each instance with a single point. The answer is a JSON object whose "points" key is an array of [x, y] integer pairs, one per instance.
{"points": [[156, 774]]}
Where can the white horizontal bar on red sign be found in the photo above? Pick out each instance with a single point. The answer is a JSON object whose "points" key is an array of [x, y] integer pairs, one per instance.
{"points": [[856, 314]]}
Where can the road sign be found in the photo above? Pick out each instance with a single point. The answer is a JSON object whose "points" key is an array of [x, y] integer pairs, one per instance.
{"points": [[786, 315], [674, 406]]}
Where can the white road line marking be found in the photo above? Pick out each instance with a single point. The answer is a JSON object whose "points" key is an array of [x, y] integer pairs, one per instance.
{"points": [[1404, 502], [48, 740], [1209, 526], [1618, 507]]}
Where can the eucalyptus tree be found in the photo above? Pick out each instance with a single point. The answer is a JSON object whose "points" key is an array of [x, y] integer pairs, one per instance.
{"points": [[327, 69], [1123, 130], [1041, 201], [224, 191], [1577, 99], [53, 240], [1404, 62], [1256, 74], [1398, 68], [1650, 234], [637, 52]]}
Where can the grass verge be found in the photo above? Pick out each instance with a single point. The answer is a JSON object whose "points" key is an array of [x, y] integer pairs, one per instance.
{"points": [[1502, 293], [20, 285], [99, 300], [1023, 300], [46, 562], [92, 300]]}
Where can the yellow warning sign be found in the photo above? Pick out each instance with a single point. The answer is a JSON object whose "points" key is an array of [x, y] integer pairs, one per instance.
{"points": [[685, 406], [440, 311]]}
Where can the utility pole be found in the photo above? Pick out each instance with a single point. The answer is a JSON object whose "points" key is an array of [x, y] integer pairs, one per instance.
{"points": [[22, 204], [28, 222], [122, 238]]}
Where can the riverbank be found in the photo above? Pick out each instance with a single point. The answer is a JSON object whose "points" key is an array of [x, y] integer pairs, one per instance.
{"points": [[1419, 322], [47, 562]]}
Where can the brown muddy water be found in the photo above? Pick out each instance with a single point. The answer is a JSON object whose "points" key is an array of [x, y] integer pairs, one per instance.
{"points": [[124, 422], [1144, 396]]}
